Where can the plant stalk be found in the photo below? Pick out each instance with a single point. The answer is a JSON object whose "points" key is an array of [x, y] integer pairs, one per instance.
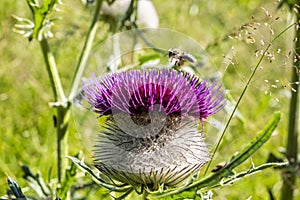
{"points": [[61, 105], [289, 173], [63, 118], [63, 111], [52, 72], [85, 51]]}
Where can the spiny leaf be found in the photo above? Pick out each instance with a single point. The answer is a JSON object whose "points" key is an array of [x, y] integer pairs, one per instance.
{"points": [[41, 23], [81, 165], [251, 171], [70, 177], [214, 180], [36, 182], [15, 188], [256, 143]]}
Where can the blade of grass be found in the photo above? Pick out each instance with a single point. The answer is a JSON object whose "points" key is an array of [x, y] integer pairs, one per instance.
{"points": [[244, 91]]}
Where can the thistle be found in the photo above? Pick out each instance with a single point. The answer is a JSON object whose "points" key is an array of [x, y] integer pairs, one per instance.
{"points": [[151, 136]]}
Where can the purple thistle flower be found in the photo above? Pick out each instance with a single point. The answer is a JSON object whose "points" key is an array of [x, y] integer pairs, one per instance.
{"points": [[135, 91], [150, 136]]}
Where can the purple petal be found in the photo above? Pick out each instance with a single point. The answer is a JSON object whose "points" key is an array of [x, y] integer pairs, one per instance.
{"points": [[138, 91]]}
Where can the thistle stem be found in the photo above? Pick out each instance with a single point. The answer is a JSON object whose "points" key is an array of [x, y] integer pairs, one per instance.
{"points": [[52, 71], [60, 104], [85, 51]]}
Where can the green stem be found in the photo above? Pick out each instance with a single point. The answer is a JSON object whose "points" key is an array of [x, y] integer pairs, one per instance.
{"points": [[145, 194], [63, 118], [85, 51], [60, 104], [52, 71], [63, 112], [244, 91], [289, 174]]}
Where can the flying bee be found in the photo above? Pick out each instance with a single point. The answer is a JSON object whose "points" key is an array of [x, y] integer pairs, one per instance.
{"points": [[177, 57]]}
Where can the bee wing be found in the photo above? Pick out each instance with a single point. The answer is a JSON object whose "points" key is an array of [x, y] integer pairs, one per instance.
{"points": [[189, 57]]}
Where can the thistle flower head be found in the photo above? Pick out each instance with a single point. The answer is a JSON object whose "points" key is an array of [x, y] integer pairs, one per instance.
{"points": [[151, 135]]}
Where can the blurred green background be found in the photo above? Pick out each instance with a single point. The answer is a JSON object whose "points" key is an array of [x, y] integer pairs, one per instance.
{"points": [[26, 126]]}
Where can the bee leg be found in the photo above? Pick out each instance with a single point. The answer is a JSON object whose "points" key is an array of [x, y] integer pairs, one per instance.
{"points": [[176, 63], [180, 63], [172, 61]]}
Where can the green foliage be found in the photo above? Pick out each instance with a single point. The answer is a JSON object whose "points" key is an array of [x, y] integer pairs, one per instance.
{"points": [[224, 176], [27, 132], [37, 183], [15, 189], [42, 22], [82, 166]]}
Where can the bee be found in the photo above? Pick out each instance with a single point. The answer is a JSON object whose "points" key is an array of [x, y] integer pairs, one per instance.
{"points": [[219, 166], [178, 57]]}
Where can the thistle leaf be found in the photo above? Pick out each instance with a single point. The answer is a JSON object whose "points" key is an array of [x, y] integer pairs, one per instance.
{"points": [[256, 143], [15, 188], [36, 182], [217, 179], [251, 171], [40, 25], [83, 167]]}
